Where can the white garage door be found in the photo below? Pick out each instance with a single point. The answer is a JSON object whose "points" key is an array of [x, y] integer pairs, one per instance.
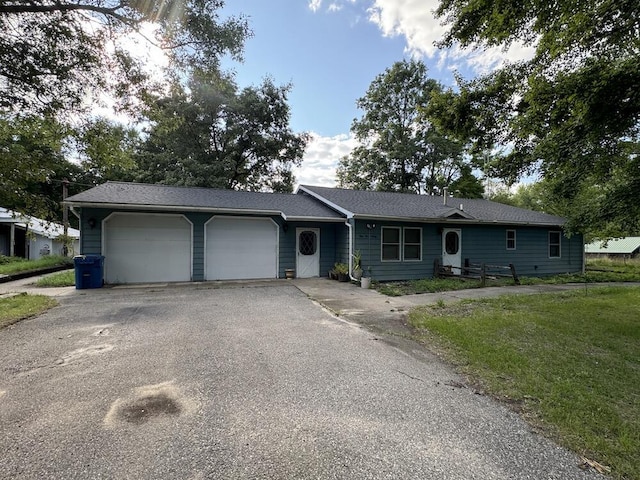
{"points": [[238, 248], [143, 248]]}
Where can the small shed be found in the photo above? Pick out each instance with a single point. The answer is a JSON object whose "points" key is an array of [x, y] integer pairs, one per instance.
{"points": [[627, 247]]}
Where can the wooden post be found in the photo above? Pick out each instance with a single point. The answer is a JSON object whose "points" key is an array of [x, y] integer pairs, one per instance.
{"points": [[483, 275], [436, 268], [516, 280], [65, 216]]}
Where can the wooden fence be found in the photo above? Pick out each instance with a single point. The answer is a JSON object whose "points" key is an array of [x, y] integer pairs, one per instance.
{"points": [[476, 271]]}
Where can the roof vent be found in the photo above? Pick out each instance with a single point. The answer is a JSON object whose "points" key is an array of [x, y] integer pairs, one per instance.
{"points": [[461, 207], [445, 194]]}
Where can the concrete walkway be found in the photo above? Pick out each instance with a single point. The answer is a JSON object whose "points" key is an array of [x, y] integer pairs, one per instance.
{"points": [[389, 314]]}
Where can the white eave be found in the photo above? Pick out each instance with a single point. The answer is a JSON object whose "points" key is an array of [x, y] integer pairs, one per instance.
{"points": [[188, 208], [335, 206], [471, 221]]}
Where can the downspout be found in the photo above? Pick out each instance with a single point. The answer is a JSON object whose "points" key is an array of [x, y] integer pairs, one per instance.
{"points": [[80, 240], [350, 227], [73, 210]]}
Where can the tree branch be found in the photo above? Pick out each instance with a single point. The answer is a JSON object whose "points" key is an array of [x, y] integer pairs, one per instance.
{"points": [[59, 7]]}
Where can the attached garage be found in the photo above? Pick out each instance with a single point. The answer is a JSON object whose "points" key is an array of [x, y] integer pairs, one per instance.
{"points": [[141, 248], [241, 248]]}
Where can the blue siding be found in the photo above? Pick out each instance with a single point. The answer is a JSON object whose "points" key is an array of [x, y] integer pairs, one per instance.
{"points": [[488, 244], [480, 244], [91, 238], [198, 220], [330, 235]]}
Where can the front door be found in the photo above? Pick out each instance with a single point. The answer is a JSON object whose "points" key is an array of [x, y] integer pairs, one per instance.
{"points": [[307, 252], [451, 249]]}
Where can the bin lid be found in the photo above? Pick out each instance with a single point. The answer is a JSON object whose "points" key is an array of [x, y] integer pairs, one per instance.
{"points": [[87, 259]]}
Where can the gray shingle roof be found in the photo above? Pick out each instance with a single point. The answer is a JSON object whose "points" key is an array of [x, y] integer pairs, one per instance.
{"points": [[156, 197], [425, 207], [359, 203]]}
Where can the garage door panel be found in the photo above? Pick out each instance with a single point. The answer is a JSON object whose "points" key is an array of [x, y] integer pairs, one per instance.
{"points": [[147, 248], [241, 249]]}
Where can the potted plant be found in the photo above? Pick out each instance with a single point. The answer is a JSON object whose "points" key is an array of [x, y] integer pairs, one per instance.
{"points": [[357, 265], [342, 269]]}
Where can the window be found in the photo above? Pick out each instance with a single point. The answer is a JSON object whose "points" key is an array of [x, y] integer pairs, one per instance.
{"points": [[554, 244], [511, 239], [308, 243], [390, 243], [412, 243], [451, 243]]}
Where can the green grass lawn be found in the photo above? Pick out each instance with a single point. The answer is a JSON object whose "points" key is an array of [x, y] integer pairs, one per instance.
{"points": [[23, 306], [599, 270], [66, 278], [569, 362], [13, 265]]}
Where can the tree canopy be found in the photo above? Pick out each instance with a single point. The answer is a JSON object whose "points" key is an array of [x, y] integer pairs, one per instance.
{"points": [[55, 52], [400, 150], [572, 112], [212, 135], [195, 126]]}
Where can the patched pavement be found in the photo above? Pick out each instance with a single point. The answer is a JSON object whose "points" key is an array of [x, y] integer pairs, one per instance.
{"points": [[243, 381]]}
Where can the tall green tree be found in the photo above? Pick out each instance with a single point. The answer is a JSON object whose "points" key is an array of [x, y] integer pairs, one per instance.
{"points": [[30, 153], [106, 150], [572, 112], [212, 135], [400, 150], [54, 52]]}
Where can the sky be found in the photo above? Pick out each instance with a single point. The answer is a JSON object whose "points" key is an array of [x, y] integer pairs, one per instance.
{"points": [[331, 50]]}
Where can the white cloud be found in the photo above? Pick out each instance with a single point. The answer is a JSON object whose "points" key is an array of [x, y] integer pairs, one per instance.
{"points": [[415, 21], [321, 159], [314, 5], [334, 7]]}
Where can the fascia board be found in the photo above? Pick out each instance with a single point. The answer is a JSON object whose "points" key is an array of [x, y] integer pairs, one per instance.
{"points": [[173, 208], [454, 220]]}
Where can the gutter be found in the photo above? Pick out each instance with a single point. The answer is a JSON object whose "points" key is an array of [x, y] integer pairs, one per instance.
{"points": [[188, 208], [181, 208], [468, 221]]}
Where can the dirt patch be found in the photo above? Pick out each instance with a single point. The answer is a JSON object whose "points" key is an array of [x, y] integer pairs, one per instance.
{"points": [[145, 408], [150, 403]]}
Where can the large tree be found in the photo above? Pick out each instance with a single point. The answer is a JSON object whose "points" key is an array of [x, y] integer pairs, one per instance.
{"points": [[209, 134], [399, 149], [55, 52], [572, 112]]}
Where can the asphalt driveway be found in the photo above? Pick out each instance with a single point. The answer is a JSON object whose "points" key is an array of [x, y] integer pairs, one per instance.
{"points": [[244, 382]]}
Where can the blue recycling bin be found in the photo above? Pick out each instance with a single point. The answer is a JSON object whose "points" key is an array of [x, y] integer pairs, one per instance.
{"points": [[89, 271]]}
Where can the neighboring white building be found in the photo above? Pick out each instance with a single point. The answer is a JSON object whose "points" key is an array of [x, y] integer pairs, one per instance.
{"points": [[620, 247], [32, 238]]}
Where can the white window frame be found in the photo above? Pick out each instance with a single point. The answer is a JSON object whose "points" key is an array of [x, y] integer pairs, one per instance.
{"points": [[559, 243], [382, 244], [514, 239], [404, 244]]}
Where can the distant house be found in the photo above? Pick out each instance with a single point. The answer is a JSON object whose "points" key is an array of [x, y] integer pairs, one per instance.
{"points": [[30, 237], [627, 247], [159, 233]]}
